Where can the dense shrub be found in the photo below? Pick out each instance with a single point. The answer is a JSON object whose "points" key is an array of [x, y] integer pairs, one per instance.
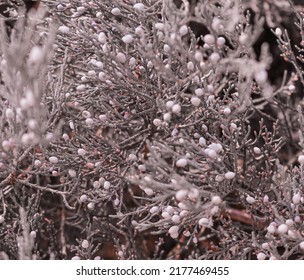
{"points": [[159, 129]]}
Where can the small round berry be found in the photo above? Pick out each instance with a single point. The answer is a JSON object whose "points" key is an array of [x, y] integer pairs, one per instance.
{"points": [[292, 234], [227, 111], [169, 104], [219, 178], [116, 202], [91, 206], [216, 200], [195, 101], [261, 256], [53, 160], [167, 48], [296, 199], [102, 76], [85, 244], [181, 195], [190, 66], [159, 26], [211, 153], [139, 7], [183, 30], [106, 185], [250, 199], [167, 117], [209, 39], [166, 215], [154, 209], [182, 206], [291, 87], [229, 175], [86, 114], [214, 57], [37, 162], [278, 32], [181, 162], [257, 150], [199, 92], [127, 39], [176, 109], [157, 122], [297, 219], [175, 219], [216, 23], [220, 41], [142, 167], [102, 117], [289, 222], [301, 159], [233, 127], [89, 121], [6, 145], [63, 29], [96, 184], [184, 213], [9, 113], [271, 228], [261, 76], [173, 229], [148, 191], [204, 222], [198, 56], [102, 38], [139, 31], [99, 64], [72, 173], [282, 229], [83, 198], [91, 73], [81, 88], [115, 12], [121, 57], [81, 152], [202, 141]]}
